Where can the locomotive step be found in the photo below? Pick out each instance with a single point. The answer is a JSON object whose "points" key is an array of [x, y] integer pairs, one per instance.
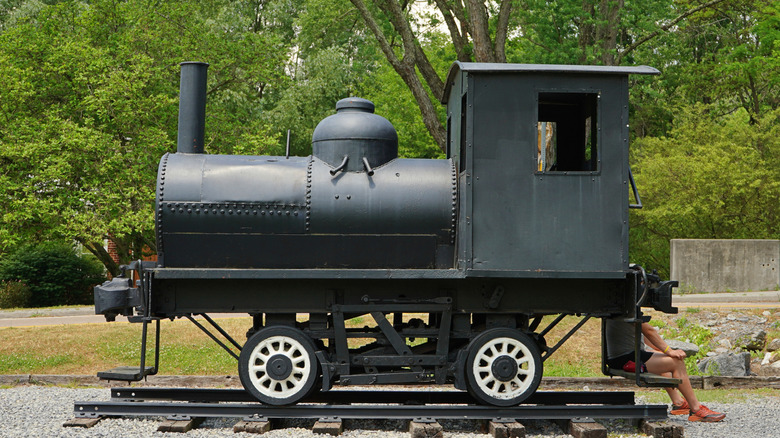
{"points": [[126, 373]]}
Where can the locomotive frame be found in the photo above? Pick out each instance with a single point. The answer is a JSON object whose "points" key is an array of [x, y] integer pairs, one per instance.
{"points": [[537, 225]]}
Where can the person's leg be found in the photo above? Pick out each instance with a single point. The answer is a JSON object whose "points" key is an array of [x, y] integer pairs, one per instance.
{"points": [[660, 364], [679, 405]]}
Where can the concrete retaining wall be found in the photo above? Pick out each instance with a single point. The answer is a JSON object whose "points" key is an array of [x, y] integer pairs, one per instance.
{"points": [[710, 265]]}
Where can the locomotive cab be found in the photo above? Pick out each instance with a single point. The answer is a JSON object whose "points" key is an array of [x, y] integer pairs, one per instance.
{"points": [[542, 158]]}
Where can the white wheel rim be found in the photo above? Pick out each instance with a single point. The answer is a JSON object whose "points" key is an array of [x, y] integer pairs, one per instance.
{"points": [[488, 383], [259, 361]]}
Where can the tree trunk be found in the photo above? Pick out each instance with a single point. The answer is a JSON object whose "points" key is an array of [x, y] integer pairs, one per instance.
{"points": [[461, 22], [664, 28], [452, 11], [483, 46], [587, 30], [428, 73], [405, 66], [96, 248], [607, 30], [501, 30]]}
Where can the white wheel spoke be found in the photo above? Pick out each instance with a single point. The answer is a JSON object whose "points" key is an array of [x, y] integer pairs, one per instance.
{"points": [[519, 383], [484, 369], [280, 348], [487, 379], [502, 351]]}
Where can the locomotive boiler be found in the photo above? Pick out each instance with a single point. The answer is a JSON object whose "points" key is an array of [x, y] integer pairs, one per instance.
{"points": [[352, 204], [454, 261]]}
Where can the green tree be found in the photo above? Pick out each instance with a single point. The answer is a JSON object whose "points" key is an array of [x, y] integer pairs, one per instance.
{"points": [[713, 177], [704, 150], [733, 58], [337, 57], [569, 31], [321, 80], [88, 96]]}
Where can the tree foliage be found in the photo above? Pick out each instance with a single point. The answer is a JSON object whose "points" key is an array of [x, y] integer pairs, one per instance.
{"points": [[710, 178], [88, 97]]}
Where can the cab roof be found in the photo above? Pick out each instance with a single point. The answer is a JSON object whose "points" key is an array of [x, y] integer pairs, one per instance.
{"points": [[487, 67]]}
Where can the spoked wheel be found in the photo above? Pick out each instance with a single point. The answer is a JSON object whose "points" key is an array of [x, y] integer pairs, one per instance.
{"points": [[277, 365], [503, 367]]}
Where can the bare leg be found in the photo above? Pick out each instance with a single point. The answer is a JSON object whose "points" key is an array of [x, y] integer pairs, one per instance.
{"points": [[660, 363], [674, 394]]}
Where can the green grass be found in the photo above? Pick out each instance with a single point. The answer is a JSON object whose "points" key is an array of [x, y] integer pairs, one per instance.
{"points": [[185, 350], [553, 368], [658, 323], [30, 363], [713, 395], [89, 348]]}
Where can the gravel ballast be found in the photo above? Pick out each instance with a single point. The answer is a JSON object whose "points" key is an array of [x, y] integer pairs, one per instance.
{"points": [[40, 411]]}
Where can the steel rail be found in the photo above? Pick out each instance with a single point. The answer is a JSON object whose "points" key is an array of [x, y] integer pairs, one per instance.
{"points": [[440, 405], [367, 411]]}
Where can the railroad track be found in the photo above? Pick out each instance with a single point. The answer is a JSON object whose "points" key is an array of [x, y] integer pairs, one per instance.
{"points": [[185, 408]]}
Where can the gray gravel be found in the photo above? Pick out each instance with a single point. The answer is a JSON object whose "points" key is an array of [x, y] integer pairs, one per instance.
{"points": [[38, 411]]}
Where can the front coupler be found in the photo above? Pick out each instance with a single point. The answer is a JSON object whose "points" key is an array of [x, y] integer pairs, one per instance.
{"points": [[120, 296], [658, 294]]}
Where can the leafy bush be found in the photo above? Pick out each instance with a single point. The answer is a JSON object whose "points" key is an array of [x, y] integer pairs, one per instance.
{"points": [[14, 294], [694, 333], [54, 272]]}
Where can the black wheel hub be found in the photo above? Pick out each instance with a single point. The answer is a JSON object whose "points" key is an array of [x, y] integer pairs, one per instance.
{"points": [[504, 368], [279, 367]]}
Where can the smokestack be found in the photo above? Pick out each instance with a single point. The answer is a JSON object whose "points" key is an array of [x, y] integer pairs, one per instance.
{"points": [[192, 107]]}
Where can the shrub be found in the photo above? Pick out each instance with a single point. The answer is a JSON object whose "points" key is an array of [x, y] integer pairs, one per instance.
{"points": [[54, 272], [14, 294]]}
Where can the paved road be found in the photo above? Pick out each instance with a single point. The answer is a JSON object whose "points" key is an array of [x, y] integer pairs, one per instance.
{"points": [[85, 315], [769, 300], [76, 315]]}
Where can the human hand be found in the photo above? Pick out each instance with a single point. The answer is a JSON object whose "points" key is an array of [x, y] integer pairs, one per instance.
{"points": [[676, 354]]}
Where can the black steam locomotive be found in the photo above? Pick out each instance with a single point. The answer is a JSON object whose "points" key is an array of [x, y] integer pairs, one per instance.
{"points": [[456, 260]]}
